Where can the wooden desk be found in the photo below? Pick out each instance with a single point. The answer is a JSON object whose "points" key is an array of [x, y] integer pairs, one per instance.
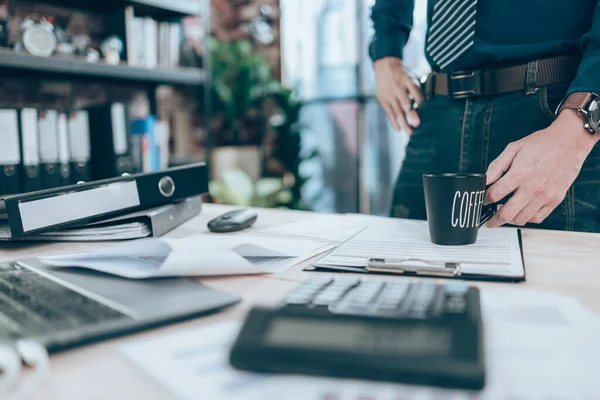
{"points": [[560, 262]]}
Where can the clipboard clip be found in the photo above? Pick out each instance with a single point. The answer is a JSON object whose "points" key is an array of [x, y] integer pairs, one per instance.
{"points": [[414, 266]]}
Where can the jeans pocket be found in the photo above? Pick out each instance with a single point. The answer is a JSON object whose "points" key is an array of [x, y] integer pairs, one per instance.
{"points": [[549, 97]]}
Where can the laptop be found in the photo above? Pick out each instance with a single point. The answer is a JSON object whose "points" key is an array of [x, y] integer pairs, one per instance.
{"points": [[63, 308]]}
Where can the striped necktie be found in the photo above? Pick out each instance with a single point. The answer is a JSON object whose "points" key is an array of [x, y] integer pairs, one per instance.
{"points": [[451, 31]]}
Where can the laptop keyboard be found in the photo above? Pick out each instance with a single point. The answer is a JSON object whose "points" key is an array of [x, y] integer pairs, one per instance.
{"points": [[32, 305]]}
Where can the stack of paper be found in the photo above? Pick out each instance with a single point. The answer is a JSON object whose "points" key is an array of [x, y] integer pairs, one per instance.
{"points": [[539, 346], [200, 255], [124, 231]]}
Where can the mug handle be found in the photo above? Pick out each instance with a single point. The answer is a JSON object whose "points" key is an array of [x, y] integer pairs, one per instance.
{"points": [[490, 211]]}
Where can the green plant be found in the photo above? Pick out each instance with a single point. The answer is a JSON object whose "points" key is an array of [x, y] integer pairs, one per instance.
{"points": [[250, 107], [237, 188], [241, 83]]}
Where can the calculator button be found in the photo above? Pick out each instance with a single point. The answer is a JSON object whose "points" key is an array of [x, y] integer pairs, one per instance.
{"points": [[297, 300], [421, 300], [455, 305], [393, 295], [319, 281], [348, 282], [325, 299], [312, 287], [365, 295], [335, 291], [456, 288]]}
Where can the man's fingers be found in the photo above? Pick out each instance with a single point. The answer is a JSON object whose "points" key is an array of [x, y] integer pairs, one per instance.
{"points": [[501, 164], [405, 102], [404, 124], [412, 117], [400, 117], [542, 214], [502, 188], [391, 116], [510, 210], [415, 92], [526, 214]]}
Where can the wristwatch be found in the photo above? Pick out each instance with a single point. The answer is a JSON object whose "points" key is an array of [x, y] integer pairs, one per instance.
{"points": [[588, 105]]}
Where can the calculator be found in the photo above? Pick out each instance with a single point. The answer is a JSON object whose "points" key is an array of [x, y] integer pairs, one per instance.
{"points": [[399, 330]]}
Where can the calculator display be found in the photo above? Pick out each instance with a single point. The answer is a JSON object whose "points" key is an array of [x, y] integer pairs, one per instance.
{"points": [[418, 340]]}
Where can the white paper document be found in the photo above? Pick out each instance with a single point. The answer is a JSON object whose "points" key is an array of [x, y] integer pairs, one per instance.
{"points": [[193, 365], [200, 255], [331, 228], [124, 231], [496, 253], [538, 346]]}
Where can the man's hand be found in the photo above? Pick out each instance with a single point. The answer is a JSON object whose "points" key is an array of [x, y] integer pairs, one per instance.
{"points": [[540, 169], [396, 91]]}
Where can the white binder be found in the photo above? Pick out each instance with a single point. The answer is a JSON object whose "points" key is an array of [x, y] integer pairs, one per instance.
{"points": [[79, 145], [48, 141], [30, 150], [10, 152], [63, 149]]}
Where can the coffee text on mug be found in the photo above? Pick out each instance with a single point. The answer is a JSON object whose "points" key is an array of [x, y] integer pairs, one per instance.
{"points": [[466, 209]]}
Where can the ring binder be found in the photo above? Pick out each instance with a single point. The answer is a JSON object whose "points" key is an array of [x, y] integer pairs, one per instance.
{"points": [[45, 210]]}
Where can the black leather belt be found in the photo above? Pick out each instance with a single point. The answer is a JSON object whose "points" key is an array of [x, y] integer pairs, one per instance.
{"points": [[486, 82]]}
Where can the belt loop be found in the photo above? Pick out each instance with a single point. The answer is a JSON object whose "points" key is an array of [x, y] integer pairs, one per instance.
{"points": [[531, 78]]}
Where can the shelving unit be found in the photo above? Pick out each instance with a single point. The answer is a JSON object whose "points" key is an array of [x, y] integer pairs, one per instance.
{"points": [[157, 8], [116, 16], [69, 68]]}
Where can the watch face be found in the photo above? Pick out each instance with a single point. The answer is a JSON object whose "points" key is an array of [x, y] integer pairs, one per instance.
{"points": [[594, 115]]}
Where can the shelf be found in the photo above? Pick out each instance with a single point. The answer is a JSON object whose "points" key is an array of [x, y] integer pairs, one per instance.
{"points": [[169, 7], [156, 8], [20, 63]]}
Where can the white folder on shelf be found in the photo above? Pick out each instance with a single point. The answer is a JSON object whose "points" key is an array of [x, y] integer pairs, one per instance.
{"points": [[10, 152], [48, 143], [30, 150], [79, 145], [63, 149]]}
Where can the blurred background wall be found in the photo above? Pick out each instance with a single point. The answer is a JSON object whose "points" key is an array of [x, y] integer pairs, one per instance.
{"points": [[324, 57]]}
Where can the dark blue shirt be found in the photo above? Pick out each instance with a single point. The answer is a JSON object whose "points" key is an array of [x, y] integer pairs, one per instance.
{"points": [[507, 32]]}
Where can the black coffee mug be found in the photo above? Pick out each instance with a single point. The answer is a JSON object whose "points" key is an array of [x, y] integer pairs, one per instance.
{"points": [[455, 209]]}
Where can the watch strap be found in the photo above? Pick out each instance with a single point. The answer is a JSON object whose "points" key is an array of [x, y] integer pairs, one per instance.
{"points": [[576, 101]]}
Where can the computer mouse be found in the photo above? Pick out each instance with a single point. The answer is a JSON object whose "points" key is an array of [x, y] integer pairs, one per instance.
{"points": [[233, 221]]}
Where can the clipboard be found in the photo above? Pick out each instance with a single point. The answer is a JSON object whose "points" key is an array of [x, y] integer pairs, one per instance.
{"points": [[416, 267]]}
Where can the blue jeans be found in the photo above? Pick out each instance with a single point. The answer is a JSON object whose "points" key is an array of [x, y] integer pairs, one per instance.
{"points": [[467, 135]]}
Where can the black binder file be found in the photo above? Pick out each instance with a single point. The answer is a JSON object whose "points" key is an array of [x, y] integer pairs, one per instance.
{"points": [[48, 141], [10, 153], [110, 139], [154, 222], [51, 209], [30, 154]]}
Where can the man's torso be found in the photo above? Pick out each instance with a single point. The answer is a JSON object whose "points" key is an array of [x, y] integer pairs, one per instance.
{"points": [[510, 32]]}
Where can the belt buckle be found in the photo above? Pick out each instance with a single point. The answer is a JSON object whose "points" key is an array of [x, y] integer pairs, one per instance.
{"points": [[464, 84]]}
